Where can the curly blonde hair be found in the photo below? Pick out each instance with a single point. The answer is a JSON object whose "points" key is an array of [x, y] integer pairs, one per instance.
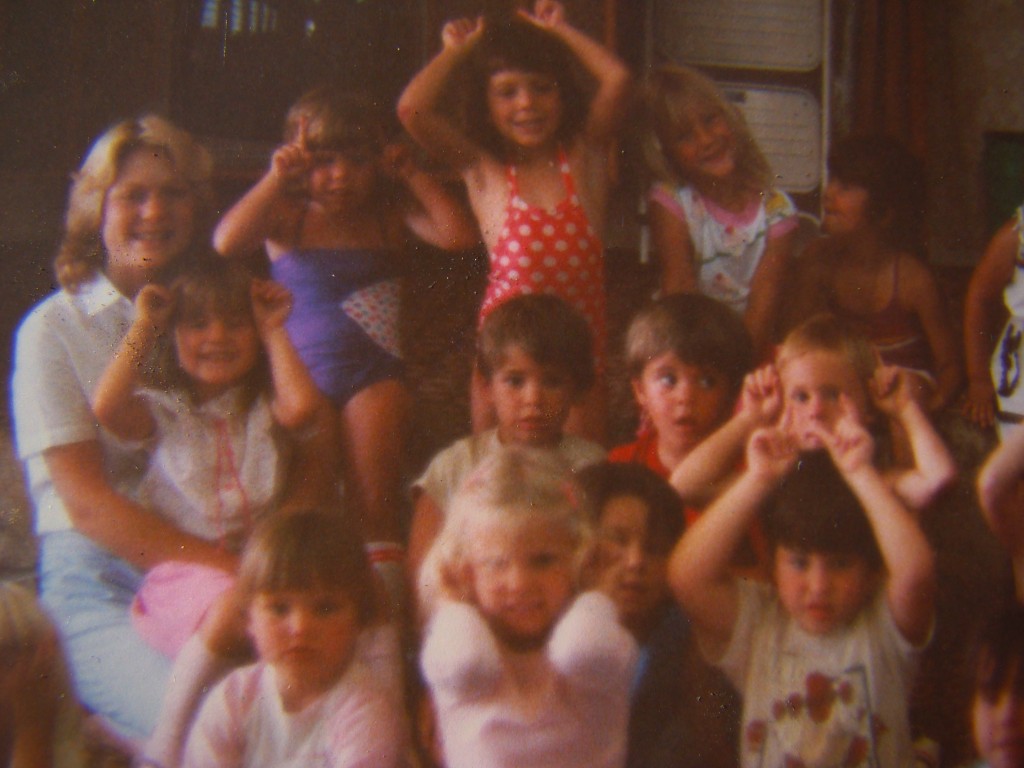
{"points": [[81, 253], [513, 488]]}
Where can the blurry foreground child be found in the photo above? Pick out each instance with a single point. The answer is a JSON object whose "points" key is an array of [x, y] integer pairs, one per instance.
{"points": [[686, 355], [825, 656], [523, 669], [534, 355], [823, 369], [997, 713], [326, 690], [637, 524], [40, 721]]}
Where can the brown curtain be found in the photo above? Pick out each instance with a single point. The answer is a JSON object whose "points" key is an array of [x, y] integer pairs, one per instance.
{"points": [[891, 70]]}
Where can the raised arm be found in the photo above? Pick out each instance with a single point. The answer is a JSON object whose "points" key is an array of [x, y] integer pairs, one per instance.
{"points": [[909, 562], [436, 216], [700, 568], [115, 401], [933, 468], [702, 475], [295, 396], [983, 314], [418, 106], [607, 108], [268, 209]]}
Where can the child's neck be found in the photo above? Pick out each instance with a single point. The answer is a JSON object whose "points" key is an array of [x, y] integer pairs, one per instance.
{"points": [[865, 249], [297, 694], [360, 228], [730, 194]]}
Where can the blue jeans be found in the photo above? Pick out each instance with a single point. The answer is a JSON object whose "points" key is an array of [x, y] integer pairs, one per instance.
{"points": [[88, 592]]}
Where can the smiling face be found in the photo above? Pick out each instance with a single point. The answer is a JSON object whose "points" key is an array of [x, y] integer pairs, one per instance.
{"points": [[633, 567], [705, 146], [812, 383], [521, 577], [998, 721], [822, 591], [215, 352], [532, 401], [148, 219], [342, 181], [684, 402], [307, 635], [525, 107]]}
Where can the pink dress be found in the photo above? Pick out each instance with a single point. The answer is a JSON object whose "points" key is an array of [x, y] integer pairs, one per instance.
{"points": [[557, 252]]}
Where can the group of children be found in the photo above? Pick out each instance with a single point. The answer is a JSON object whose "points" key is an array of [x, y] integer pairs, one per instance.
{"points": [[557, 599]]}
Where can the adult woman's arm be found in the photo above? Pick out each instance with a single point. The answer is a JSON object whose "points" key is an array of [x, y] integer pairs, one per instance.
{"points": [[116, 523]]}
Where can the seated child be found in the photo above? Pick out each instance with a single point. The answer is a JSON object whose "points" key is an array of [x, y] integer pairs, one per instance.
{"points": [[994, 328], [686, 355], [40, 721], [524, 669], [325, 690], [869, 269], [636, 518], [997, 712], [1001, 496], [534, 353], [820, 365], [824, 657]]}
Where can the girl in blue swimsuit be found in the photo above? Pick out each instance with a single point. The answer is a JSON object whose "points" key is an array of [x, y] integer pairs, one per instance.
{"points": [[333, 235]]}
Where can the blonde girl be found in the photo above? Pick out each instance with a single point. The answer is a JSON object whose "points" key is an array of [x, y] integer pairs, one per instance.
{"points": [[335, 212], [533, 153], [824, 371], [40, 720], [717, 223], [522, 668]]}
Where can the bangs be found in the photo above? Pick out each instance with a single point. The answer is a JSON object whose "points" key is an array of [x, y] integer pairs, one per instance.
{"points": [[222, 293]]}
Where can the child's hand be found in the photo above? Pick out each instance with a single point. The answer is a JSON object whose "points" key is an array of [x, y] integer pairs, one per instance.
{"points": [[979, 402], [291, 163], [761, 398], [771, 453], [153, 307], [546, 13], [460, 33], [892, 389], [848, 442], [271, 305]]}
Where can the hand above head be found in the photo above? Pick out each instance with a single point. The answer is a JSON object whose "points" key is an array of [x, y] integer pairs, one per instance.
{"points": [[546, 13], [292, 162], [761, 398], [154, 305], [848, 441], [271, 305], [771, 452], [460, 33], [891, 389]]}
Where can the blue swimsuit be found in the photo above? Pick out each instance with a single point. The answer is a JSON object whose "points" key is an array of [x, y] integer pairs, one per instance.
{"points": [[344, 322]]}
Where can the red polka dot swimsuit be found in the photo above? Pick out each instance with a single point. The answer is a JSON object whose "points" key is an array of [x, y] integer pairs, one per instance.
{"points": [[541, 251]]}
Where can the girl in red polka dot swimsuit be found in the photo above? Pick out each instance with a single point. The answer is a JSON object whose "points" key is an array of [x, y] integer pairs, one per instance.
{"points": [[534, 160]]}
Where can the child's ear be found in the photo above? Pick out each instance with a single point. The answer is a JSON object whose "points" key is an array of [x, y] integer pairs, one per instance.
{"points": [[636, 383]]}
